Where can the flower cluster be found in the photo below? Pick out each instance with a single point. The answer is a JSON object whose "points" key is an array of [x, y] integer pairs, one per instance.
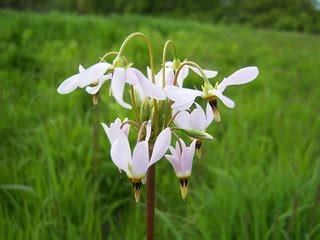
{"points": [[158, 100]]}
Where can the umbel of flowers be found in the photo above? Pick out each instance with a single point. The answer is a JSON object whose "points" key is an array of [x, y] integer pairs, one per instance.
{"points": [[171, 124]]}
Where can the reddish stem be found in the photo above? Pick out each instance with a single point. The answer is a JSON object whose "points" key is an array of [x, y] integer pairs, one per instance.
{"points": [[150, 202]]}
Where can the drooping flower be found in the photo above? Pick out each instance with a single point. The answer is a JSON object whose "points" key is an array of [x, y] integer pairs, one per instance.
{"points": [[171, 67], [92, 78], [197, 119], [136, 164], [183, 98], [181, 159], [115, 128]]}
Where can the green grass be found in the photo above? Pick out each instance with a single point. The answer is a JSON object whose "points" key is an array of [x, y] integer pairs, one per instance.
{"points": [[260, 178]]}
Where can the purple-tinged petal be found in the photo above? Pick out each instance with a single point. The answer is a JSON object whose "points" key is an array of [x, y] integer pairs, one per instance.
{"points": [[197, 118], [95, 89], [182, 119], [140, 159], [161, 146], [175, 163], [182, 75], [187, 158]]}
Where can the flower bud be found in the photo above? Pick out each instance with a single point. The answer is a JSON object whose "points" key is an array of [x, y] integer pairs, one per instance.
{"points": [[194, 133], [119, 61], [176, 64]]}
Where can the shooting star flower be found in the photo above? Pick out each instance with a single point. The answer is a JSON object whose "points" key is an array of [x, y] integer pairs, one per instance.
{"points": [[197, 119], [183, 98], [92, 78], [181, 159], [136, 164]]}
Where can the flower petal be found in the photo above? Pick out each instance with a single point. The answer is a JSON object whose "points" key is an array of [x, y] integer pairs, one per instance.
{"points": [[208, 73], [95, 89], [180, 94], [113, 132], [182, 119], [187, 158], [161, 146], [226, 101], [182, 75], [197, 118], [131, 77], [117, 86], [93, 74], [148, 87], [140, 159], [242, 76], [175, 163], [121, 154], [209, 115], [68, 85]]}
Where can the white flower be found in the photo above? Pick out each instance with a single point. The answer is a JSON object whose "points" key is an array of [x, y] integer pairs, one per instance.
{"points": [[181, 161], [183, 98], [137, 163], [114, 131], [92, 78], [133, 76], [197, 119], [185, 71]]}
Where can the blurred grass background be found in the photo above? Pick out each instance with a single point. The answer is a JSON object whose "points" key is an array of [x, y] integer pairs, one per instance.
{"points": [[260, 178]]}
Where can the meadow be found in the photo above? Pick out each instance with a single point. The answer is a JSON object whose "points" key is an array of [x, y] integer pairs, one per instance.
{"points": [[259, 178]]}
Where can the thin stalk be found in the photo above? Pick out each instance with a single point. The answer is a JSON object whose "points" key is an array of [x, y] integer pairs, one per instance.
{"points": [[151, 182], [134, 105], [164, 58], [193, 64]]}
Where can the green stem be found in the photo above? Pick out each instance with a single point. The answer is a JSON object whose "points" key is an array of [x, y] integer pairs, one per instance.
{"points": [[164, 58], [193, 64], [134, 105]]}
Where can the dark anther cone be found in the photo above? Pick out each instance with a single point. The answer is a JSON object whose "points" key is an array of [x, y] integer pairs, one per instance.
{"points": [[136, 190], [214, 105], [95, 99], [184, 188]]}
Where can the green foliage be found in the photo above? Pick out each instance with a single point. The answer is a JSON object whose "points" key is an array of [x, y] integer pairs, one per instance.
{"points": [[297, 15], [259, 178]]}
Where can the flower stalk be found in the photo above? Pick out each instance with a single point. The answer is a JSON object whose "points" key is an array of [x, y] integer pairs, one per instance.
{"points": [[153, 100]]}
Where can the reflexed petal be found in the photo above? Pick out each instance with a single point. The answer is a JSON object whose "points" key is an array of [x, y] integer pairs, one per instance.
{"points": [[226, 101], [161, 146], [121, 154], [148, 130], [182, 119], [175, 163], [68, 85], [182, 75], [208, 73], [242, 76], [117, 86], [148, 87], [93, 74], [131, 77], [169, 64], [197, 118], [187, 158], [182, 105], [140, 159], [95, 89], [114, 132], [209, 115], [181, 94]]}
